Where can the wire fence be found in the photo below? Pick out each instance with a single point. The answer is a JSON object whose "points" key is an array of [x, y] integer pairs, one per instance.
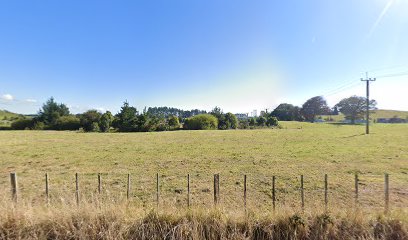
{"points": [[247, 192]]}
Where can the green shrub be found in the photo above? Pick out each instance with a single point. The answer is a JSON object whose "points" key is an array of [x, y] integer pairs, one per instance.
{"points": [[271, 121], [88, 120], [201, 122], [38, 126], [252, 122], [261, 121], [95, 127], [106, 121], [67, 123], [173, 123], [22, 124], [231, 120]]}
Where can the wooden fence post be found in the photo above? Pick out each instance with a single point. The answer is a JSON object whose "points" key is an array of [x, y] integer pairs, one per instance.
{"points": [[273, 193], [157, 189], [77, 188], [14, 186], [188, 191], [245, 192], [356, 188], [47, 188], [216, 188], [302, 194], [128, 187], [99, 183], [326, 200], [386, 192]]}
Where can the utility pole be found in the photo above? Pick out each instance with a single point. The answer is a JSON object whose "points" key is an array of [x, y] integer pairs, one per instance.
{"points": [[368, 80]]}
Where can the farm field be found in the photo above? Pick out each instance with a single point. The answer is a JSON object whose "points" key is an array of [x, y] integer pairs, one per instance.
{"points": [[297, 148]]}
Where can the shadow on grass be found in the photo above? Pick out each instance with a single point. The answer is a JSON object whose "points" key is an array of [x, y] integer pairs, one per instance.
{"points": [[356, 135]]}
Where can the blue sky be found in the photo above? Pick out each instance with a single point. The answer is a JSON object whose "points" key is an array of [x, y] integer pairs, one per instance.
{"points": [[239, 55]]}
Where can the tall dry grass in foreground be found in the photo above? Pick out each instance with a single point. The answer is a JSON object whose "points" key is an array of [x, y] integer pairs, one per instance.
{"points": [[128, 221]]}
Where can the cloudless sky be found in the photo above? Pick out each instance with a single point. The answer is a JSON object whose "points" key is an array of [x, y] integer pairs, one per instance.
{"points": [[238, 55]]}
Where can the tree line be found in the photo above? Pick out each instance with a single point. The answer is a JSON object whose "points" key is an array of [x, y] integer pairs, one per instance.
{"points": [[56, 116], [353, 108]]}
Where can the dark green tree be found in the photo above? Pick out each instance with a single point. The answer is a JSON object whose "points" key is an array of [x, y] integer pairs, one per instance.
{"points": [[126, 120], [106, 121], [252, 122], [90, 120], [261, 121], [217, 112], [313, 107], [355, 107], [287, 112], [231, 120], [173, 122], [271, 121], [142, 122], [51, 111]]}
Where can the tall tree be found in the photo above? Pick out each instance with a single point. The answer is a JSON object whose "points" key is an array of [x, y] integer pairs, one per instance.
{"points": [[231, 120], [313, 107], [355, 107], [126, 119], [51, 111], [287, 112]]}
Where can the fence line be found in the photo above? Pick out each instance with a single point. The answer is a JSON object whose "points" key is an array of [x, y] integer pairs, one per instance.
{"points": [[217, 194]]}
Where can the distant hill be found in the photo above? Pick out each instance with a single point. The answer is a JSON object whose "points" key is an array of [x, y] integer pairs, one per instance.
{"points": [[381, 113], [390, 114], [7, 117], [5, 113]]}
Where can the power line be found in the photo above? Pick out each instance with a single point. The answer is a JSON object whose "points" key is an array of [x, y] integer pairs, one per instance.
{"points": [[352, 83], [341, 89], [345, 84], [394, 75]]}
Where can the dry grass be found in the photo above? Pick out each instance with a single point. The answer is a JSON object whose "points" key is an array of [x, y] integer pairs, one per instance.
{"points": [[126, 221]]}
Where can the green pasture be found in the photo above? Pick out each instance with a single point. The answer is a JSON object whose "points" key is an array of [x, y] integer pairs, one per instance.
{"points": [[296, 149]]}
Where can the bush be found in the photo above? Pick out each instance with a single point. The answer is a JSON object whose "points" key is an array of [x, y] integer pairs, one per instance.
{"points": [[38, 126], [272, 121], [252, 122], [173, 123], [243, 124], [88, 120], [95, 127], [106, 121], [231, 120], [22, 124], [201, 122], [67, 123], [261, 121]]}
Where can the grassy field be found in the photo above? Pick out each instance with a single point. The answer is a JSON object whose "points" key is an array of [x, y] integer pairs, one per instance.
{"points": [[298, 148]]}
